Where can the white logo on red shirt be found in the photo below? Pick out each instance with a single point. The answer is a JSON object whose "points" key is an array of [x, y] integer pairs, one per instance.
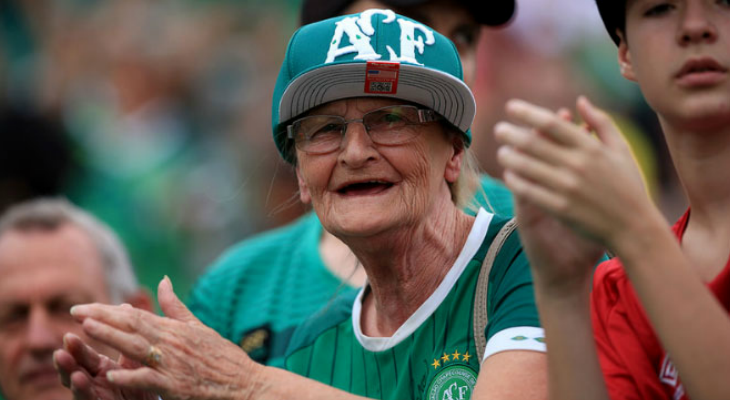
{"points": [[669, 376]]}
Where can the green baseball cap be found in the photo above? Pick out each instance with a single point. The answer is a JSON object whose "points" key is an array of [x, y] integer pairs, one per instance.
{"points": [[376, 53]]}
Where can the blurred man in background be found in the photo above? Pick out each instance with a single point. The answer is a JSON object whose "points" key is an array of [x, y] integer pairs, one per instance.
{"points": [[53, 256]]}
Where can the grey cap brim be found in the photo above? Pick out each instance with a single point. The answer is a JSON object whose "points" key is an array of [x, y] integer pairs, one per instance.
{"points": [[439, 91]]}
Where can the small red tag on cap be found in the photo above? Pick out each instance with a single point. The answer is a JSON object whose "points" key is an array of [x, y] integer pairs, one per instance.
{"points": [[381, 77]]}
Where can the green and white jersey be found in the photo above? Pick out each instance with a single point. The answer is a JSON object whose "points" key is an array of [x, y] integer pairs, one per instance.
{"points": [[433, 354]]}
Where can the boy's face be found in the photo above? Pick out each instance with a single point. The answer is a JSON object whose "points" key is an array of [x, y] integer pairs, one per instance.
{"points": [[679, 53]]}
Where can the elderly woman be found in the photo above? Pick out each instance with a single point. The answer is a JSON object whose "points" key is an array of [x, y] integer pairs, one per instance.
{"points": [[372, 112]]}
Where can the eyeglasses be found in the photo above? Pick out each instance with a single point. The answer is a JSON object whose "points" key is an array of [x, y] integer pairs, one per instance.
{"points": [[388, 126]]}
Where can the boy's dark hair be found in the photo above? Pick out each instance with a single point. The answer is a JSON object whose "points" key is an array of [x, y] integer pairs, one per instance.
{"points": [[613, 13]]}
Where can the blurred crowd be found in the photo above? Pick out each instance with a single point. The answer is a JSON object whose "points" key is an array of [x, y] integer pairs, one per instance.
{"points": [[155, 116]]}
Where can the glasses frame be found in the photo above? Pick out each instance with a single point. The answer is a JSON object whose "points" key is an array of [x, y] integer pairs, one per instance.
{"points": [[425, 115]]}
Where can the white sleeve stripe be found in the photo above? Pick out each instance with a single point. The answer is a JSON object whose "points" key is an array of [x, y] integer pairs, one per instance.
{"points": [[517, 338]]}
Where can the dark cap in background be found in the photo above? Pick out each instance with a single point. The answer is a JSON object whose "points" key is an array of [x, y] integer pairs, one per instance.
{"points": [[613, 13], [486, 12]]}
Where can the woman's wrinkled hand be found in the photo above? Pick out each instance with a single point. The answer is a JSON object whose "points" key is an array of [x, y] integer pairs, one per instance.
{"points": [[84, 371], [177, 356]]}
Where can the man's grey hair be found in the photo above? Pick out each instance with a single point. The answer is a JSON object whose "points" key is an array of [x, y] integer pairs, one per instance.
{"points": [[50, 214]]}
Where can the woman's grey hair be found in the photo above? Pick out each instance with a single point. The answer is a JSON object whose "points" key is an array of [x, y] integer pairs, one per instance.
{"points": [[468, 183], [50, 214]]}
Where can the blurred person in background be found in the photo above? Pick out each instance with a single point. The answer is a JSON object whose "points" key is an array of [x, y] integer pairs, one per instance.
{"points": [[156, 101], [36, 157], [53, 255], [36, 154], [537, 58], [259, 291], [554, 51]]}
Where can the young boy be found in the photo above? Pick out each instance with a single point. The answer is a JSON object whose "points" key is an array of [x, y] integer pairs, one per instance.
{"points": [[660, 310]]}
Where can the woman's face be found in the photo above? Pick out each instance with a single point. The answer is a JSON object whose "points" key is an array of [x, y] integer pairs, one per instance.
{"points": [[363, 189]]}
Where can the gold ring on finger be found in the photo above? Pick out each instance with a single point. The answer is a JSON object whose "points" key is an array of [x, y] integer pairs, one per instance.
{"points": [[153, 357]]}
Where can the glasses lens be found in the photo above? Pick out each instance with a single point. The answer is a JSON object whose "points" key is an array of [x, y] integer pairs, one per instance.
{"points": [[392, 125], [318, 133]]}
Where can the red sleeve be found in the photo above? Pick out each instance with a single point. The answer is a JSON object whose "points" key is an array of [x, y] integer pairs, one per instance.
{"points": [[625, 342]]}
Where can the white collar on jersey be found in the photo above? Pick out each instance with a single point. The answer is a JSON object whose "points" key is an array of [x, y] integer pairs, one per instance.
{"points": [[473, 242]]}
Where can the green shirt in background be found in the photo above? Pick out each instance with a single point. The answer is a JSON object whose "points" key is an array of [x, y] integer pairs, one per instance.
{"points": [[260, 290]]}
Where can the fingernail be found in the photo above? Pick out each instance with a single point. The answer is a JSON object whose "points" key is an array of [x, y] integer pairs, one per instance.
{"points": [[78, 310], [515, 104], [66, 338], [110, 376], [90, 323], [503, 131], [503, 151], [167, 278]]}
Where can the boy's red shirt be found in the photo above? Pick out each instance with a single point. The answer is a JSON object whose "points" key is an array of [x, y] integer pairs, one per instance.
{"points": [[634, 364]]}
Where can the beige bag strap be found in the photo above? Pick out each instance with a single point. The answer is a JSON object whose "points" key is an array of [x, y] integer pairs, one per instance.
{"points": [[480, 297]]}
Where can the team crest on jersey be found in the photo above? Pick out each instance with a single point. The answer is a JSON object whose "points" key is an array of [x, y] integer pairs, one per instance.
{"points": [[359, 31], [454, 380]]}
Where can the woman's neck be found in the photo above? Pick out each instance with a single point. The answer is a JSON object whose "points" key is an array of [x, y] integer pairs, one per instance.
{"points": [[405, 267], [702, 161]]}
